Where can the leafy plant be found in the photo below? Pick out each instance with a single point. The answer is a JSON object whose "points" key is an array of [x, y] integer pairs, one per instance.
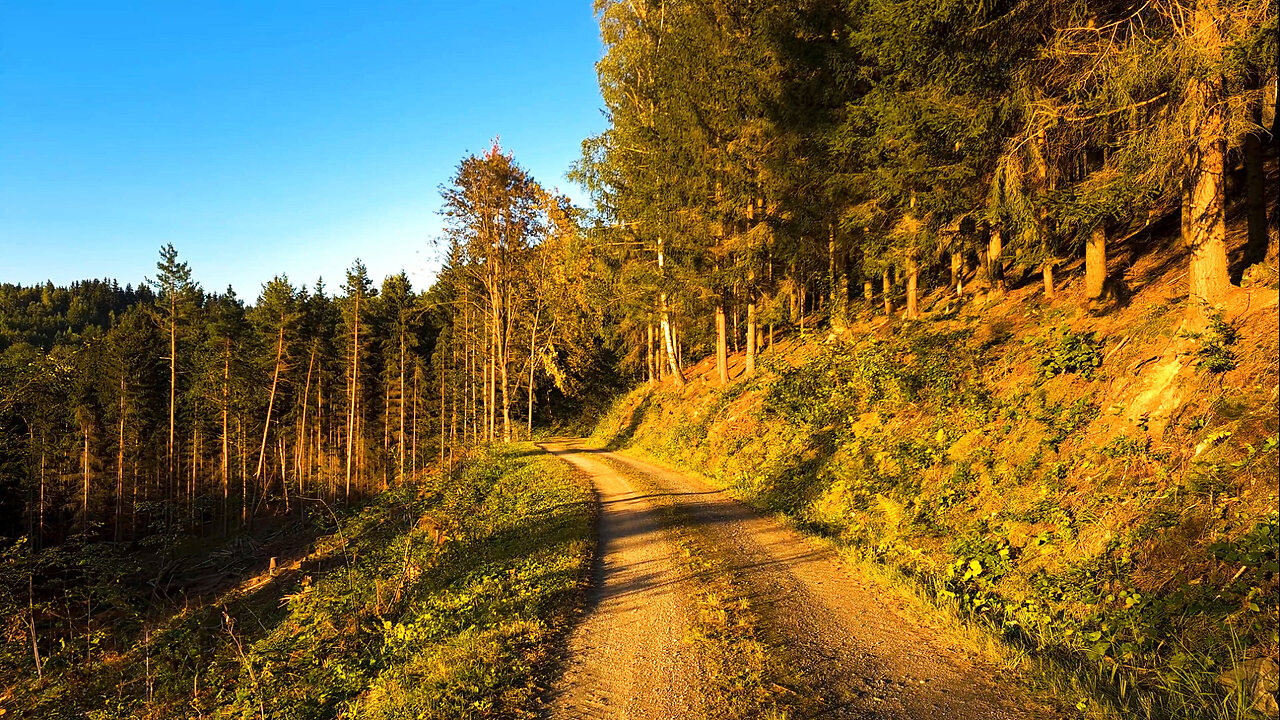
{"points": [[1215, 353], [1078, 353]]}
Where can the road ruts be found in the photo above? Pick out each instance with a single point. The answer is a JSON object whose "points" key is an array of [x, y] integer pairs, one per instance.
{"points": [[862, 652], [629, 658]]}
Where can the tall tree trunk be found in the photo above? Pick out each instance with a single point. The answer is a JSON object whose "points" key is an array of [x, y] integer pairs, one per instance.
{"points": [[1095, 263], [351, 407], [887, 291], [84, 519], [271, 403], [868, 291], [120, 467], [173, 388], [400, 442], [1255, 200], [648, 357], [722, 345], [837, 291], [1205, 217], [299, 460], [752, 341], [226, 452], [957, 272], [533, 348], [995, 263], [913, 281], [668, 335], [1046, 271]]}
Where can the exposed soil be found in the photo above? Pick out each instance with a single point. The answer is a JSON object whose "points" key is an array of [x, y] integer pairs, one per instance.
{"points": [[859, 647], [630, 657]]}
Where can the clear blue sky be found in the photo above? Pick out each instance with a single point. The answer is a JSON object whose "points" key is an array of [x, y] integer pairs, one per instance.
{"points": [[270, 137]]}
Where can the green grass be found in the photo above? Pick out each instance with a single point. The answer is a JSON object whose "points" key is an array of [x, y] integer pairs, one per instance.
{"points": [[1132, 571], [380, 622]]}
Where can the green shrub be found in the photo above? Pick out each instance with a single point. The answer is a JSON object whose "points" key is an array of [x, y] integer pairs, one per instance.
{"points": [[1215, 353], [1078, 353]]}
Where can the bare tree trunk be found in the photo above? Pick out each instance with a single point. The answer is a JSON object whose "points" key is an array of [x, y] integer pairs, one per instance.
{"points": [[752, 341], [271, 403], [722, 345], [836, 294], [400, 441], [887, 291], [913, 280], [533, 348], [648, 357], [299, 460], [351, 408], [668, 336], [1204, 215], [995, 264], [120, 467], [1095, 263], [226, 454], [84, 519], [173, 385], [1046, 270], [868, 291], [957, 272], [1255, 200]]}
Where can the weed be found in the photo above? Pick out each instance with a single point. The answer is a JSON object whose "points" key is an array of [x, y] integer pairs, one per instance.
{"points": [[1215, 353], [1078, 353]]}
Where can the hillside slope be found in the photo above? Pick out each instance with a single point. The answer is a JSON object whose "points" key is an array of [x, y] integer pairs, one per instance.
{"points": [[1098, 487]]}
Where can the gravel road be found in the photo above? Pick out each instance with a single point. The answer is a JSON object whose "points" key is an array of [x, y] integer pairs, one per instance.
{"points": [[629, 657], [860, 647]]}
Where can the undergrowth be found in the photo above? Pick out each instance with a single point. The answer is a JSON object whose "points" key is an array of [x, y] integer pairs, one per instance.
{"points": [[1142, 571], [380, 621]]}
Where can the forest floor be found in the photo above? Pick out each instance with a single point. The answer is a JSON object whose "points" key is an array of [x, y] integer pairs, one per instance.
{"points": [[841, 644]]}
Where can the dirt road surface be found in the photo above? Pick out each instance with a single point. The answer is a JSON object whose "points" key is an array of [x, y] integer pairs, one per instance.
{"points": [[630, 657], [862, 650]]}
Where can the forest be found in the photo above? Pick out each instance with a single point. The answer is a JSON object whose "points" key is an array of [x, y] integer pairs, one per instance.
{"points": [[769, 171]]}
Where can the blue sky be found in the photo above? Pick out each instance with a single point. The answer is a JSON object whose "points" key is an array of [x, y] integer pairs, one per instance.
{"points": [[270, 137]]}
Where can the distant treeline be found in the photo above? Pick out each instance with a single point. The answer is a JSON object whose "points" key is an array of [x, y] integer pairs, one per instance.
{"points": [[168, 408]]}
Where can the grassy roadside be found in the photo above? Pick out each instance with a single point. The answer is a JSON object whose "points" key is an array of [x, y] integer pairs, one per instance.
{"points": [[380, 621], [1132, 567]]}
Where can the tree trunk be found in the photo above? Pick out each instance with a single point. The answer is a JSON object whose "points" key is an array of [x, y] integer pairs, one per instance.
{"points": [[751, 338], [1095, 263], [995, 263], [722, 345], [669, 341], [1046, 271], [300, 457], [120, 468], [913, 281], [1255, 200], [351, 407], [648, 357], [887, 291], [1204, 217], [533, 347], [84, 519], [836, 298], [957, 272], [173, 381], [868, 291], [668, 335], [271, 402], [226, 450]]}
